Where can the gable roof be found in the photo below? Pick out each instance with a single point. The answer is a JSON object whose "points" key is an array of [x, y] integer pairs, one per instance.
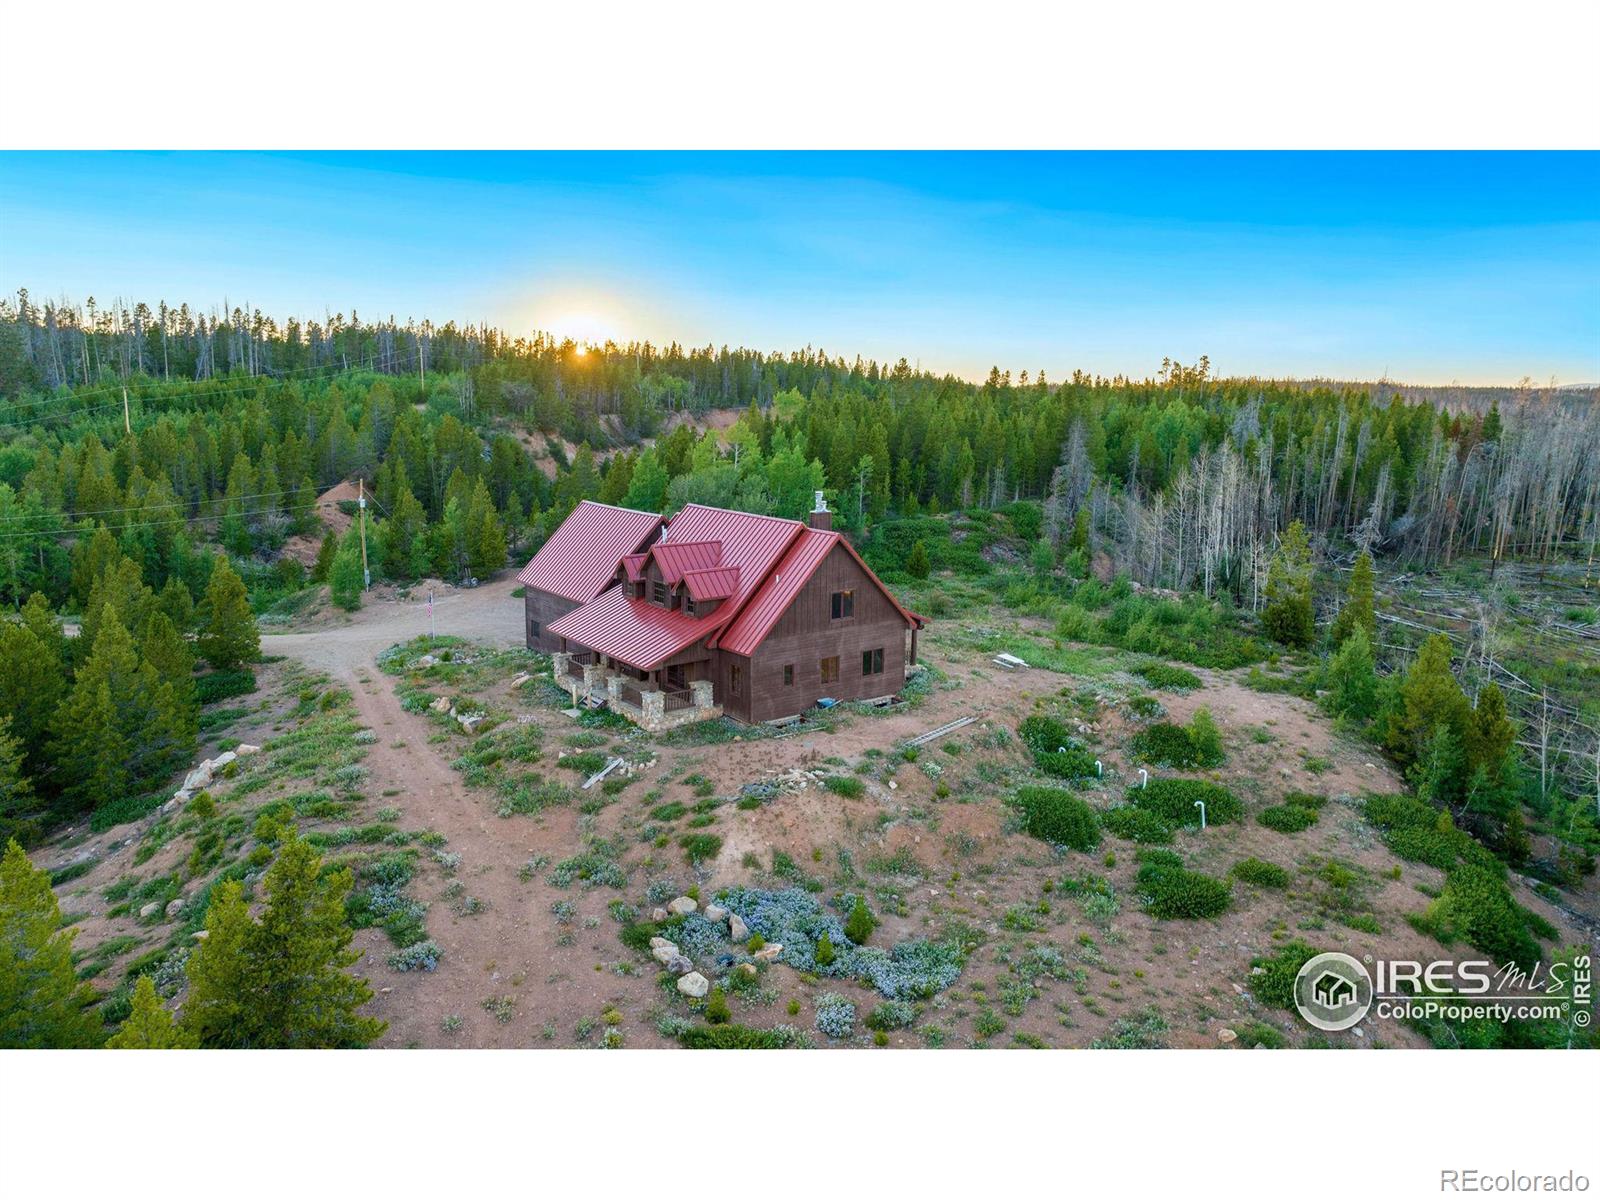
{"points": [[676, 558], [714, 583], [642, 634], [779, 590], [760, 565], [580, 558]]}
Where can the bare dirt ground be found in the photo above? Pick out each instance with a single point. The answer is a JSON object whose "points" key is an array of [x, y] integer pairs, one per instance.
{"points": [[934, 836]]}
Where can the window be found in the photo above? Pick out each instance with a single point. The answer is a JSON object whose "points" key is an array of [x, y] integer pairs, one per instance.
{"points": [[830, 669], [658, 592], [533, 631], [872, 662], [688, 605], [844, 605], [788, 675], [736, 679]]}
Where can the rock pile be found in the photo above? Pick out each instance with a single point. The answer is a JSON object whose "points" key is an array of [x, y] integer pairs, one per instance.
{"points": [[208, 770]]}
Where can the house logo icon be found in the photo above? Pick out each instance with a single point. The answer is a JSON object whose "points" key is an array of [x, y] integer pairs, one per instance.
{"points": [[1333, 991]]}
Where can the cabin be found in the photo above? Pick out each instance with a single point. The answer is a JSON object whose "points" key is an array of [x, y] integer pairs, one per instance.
{"points": [[714, 612]]}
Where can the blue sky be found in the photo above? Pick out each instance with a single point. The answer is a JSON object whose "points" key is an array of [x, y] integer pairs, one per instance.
{"points": [[1430, 268]]}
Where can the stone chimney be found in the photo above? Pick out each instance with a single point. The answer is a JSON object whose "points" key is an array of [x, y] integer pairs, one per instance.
{"points": [[820, 517]]}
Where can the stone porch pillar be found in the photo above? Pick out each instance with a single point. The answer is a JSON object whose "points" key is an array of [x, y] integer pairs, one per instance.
{"points": [[702, 691], [653, 709], [614, 689]]}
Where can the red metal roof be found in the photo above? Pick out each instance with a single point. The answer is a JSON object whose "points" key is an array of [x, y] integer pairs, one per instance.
{"points": [[637, 632], [675, 558], [713, 583], [762, 564], [784, 584], [633, 564], [580, 558]]}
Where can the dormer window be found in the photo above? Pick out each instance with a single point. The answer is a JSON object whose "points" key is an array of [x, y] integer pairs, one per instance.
{"points": [[659, 593]]}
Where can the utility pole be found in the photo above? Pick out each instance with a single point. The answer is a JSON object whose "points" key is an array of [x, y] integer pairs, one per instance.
{"points": [[127, 426], [366, 575]]}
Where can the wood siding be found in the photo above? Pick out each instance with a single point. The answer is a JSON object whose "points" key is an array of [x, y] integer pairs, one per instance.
{"points": [[543, 607], [807, 633]]}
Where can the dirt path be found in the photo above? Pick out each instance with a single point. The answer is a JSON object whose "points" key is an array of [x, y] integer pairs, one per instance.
{"points": [[483, 951]]}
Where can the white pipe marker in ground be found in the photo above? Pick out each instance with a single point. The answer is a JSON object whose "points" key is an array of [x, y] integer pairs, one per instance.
{"points": [[1201, 805]]}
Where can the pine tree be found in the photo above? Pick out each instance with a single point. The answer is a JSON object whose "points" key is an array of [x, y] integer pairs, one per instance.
{"points": [[177, 603], [32, 685], [1288, 616], [229, 637], [647, 490], [93, 729], [1352, 679], [1079, 538], [280, 982], [1491, 735], [1427, 698], [345, 580], [859, 925], [1358, 611], [486, 540], [42, 1003], [917, 565], [16, 792], [325, 555], [150, 1026]]}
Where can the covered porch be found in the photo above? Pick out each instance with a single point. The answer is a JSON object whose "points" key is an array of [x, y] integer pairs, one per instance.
{"points": [[652, 699]]}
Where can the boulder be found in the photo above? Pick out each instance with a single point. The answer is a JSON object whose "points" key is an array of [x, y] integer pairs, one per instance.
{"points": [[197, 778], [201, 935], [683, 906], [245, 749], [747, 969], [149, 910], [223, 759], [694, 984], [768, 953], [174, 907], [737, 929], [468, 720], [658, 914], [678, 965], [442, 704], [1226, 1035], [715, 912], [658, 941], [662, 954]]}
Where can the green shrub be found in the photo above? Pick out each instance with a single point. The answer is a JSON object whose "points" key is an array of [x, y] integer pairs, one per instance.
{"points": [[1164, 744], [736, 1037], [824, 952], [1172, 892], [585, 762], [697, 847], [1287, 818], [717, 1011], [860, 924], [1261, 874], [1137, 824], [1173, 800], [1057, 816], [221, 685], [1205, 738], [892, 1014], [844, 785], [1476, 905], [1167, 677], [1055, 751], [1274, 986]]}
